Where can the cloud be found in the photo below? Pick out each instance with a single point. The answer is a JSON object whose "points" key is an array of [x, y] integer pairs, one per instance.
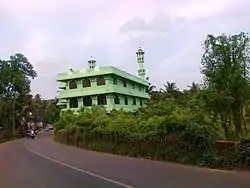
{"points": [[160, 24], [60, 34]]}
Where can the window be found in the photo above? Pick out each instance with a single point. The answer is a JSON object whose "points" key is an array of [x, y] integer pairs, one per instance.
{"points": [[87, 101], [100, 80], [101, 100], [73, 103], [116, 99], [86, 82], [140, 88], [114, 81], [72, 84], [134, 101], [126, 101], [124, 83], [140, 102], [133, 85]]}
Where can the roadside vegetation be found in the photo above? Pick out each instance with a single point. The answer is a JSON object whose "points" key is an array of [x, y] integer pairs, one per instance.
{"points": [[180, 126], [17, 105]]}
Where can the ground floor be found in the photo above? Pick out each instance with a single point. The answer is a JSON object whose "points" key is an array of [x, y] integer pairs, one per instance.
{"points": [[110, 101]]}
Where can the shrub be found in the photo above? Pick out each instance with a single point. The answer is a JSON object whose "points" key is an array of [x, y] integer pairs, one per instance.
{"points": [[238, 156], [172, 137], [175, 136]]}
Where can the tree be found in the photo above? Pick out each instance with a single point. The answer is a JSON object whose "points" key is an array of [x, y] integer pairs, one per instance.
{"points": [[15, 75], [170, 87], [226, 68], [52, 111], [194, 87], [151, 89]]}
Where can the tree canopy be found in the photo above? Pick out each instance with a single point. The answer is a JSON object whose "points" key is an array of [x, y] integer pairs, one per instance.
{"points": [[226, 77], [15, 76]]}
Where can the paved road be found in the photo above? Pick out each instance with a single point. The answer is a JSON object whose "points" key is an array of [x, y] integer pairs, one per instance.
{"points": [[42, 163]]}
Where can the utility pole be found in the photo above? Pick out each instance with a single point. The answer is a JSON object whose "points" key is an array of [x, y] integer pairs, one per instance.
{"points": [[13, 112], [13, 117]]}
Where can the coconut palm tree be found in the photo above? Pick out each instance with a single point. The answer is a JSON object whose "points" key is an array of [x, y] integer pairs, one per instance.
{"points": [[170, 87], [194, 87]]}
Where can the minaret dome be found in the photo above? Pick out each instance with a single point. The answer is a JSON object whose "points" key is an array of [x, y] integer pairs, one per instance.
{"points": [[91, 62]]}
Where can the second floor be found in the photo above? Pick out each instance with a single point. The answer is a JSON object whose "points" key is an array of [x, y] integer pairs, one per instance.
{"points": [[101, 84]]}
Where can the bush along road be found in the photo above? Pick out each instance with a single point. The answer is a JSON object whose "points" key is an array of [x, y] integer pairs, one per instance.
{"points": [[188, 143]]}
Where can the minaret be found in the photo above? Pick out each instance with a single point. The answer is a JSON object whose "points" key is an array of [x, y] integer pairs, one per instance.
{"points": [[140, 60], [91, 63]]}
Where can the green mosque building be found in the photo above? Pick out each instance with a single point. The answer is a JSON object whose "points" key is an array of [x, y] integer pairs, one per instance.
{"points": [[107, 86]]}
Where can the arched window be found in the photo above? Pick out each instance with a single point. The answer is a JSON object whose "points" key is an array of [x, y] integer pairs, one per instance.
{"points": [[126, 101], [73, 103], [101, 100], [134, 101], [140, 102], [100, 80], [140, 88], [87, 101], [86, 82], [72, 84], [133, 85], [114, 81], [116, 99]]}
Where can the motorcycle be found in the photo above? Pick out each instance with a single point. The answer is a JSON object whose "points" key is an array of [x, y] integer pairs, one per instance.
{"points": [[31, 134]]}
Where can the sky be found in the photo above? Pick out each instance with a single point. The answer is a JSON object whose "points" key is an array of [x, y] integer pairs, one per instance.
{"points": [[56, 35]]}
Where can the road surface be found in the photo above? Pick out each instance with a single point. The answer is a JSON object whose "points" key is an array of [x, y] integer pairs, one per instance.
{"points": [[43, 163]]}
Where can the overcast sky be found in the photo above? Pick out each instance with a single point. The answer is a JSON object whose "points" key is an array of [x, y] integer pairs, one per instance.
{"points": [[57, 35]]}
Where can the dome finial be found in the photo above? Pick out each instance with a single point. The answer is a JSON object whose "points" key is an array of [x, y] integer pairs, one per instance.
{"points": [[91, 63]]}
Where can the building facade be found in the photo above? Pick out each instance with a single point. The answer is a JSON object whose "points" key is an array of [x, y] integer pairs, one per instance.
{"points": [[107, 86]]}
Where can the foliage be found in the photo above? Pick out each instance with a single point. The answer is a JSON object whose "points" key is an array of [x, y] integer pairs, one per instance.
{"points": [[226, 69], [139, 134], [174, 136], [15, 75], [238, 157], [17, 105], [40, 110], [52, 112]]}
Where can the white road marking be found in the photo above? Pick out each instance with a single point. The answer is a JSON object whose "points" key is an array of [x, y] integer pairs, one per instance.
{"points": [[78, 169]]}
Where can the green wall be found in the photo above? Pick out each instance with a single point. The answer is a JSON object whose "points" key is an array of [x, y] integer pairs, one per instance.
{"points": [[132, 89]]}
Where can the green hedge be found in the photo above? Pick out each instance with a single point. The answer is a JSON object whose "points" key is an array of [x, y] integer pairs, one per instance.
{"points": [[175, 135], [186, 149], [180, 143], [238, 157]]}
